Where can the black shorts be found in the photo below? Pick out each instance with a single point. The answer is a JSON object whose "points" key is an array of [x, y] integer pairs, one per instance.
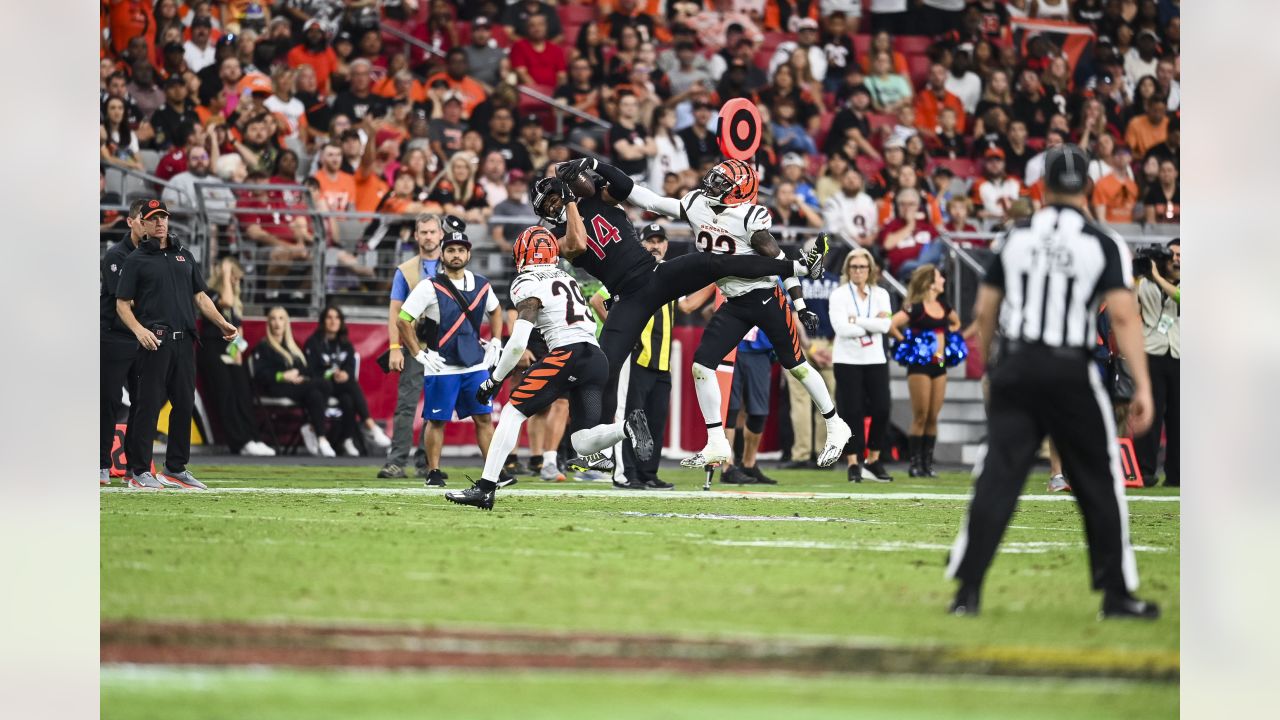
{"points": [[767, 309], [932, 371], [750, 383], [578, 370]]}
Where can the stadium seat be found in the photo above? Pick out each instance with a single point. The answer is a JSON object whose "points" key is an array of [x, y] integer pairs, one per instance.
{"points": [[773, 39], [880, 121], [762, 58], [824, 127], [1035, 143], [815, 164], [861, 43], [867, 165], [290, 414], [912, 44], [918, 65], [576, 15], [961, 167]]}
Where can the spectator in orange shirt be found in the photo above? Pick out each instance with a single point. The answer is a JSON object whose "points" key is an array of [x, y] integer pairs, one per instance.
{"points": [[455, 74], [1116, 194], [882, 41], [338, 188], [129, 19], [932, 98], [370, 185], [315, 51], [1149, 129], [908, 178]]}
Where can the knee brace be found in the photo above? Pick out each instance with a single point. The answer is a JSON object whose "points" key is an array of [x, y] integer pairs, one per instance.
{"points": [[755, 423]]}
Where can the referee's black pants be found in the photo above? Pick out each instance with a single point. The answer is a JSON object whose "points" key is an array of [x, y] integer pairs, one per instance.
{"points": [[671, 280], [1167, 406], [117, 355], [649, 390], [167, 373], [1034, 392]]}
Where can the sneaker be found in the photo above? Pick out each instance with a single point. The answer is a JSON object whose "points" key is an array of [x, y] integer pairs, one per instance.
{"points": [[717, 452], [637, 429], [855, 473], [504, 478], [597, 461], [838, 435], [1115, 606], [326, 450], [733, 476], [754, 471], [519, 468], [349, 448], [814, 259], [473, 496], [799, 465], [254, 448], [309, 440], [550, 473], [104, 476], [878, 471], [1058, 483], [590, 476], [180, 480], [656, 484], [435, 478], [145, 481], [630, 485], [966, 602], [392, 471], [376, 437]]}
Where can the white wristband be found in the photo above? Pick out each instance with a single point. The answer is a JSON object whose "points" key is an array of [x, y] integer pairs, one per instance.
{"points": [[798, 303]]}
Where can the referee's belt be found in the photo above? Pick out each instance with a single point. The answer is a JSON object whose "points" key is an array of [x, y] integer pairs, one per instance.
{"points": [[1009, 348]]}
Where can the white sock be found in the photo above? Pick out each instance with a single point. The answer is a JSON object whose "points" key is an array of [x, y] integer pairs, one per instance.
{"points": [[549, 458], [707, 386], [505, 437], [813, 383], [594, 439]]}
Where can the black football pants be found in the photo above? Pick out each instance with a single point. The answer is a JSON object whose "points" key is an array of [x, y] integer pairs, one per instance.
{"points": [[1167, 406], [165, 374], [117, 357], [1034, 392]]}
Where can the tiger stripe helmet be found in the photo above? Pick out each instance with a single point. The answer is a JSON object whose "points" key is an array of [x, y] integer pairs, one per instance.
{"points": [[535, 246], [731, 182]]}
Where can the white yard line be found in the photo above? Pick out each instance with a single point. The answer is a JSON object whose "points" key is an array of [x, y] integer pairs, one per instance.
{"points": [[1015, 548], [654, 495]]}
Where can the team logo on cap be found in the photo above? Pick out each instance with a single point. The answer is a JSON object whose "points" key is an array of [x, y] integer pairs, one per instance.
{"points": [[154, 204]]}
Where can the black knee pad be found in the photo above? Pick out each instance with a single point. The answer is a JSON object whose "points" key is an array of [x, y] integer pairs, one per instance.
{"points": [[755, 423]]}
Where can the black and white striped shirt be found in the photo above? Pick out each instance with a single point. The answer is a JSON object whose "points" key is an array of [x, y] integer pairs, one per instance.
{"points": [[1054, 269]]}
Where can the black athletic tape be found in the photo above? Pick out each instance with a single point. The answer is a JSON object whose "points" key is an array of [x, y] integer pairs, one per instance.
{"points": [[713, 425], [829, 415]]}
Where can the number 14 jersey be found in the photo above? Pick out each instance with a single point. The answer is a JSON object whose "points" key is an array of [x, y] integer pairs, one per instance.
{"points": [[565, 317], [727, 233]]}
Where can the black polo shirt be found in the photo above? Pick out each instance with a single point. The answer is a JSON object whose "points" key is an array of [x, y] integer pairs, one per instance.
{"points": [[162, 284], [112, 266]]}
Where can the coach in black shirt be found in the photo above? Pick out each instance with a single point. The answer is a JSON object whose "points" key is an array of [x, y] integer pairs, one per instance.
{"points": [[160, 287], [1050, 274], [117, 349]]}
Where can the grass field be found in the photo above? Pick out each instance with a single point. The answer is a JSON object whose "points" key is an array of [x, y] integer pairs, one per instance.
{"points": [[837, 571]]}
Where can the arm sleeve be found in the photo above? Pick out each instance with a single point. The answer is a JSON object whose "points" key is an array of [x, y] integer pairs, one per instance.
{"points": [[646, 199], [516, 344], [422, 297], [620, 184]]}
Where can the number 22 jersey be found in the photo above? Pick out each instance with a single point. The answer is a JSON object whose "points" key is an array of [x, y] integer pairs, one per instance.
{"points": [[727, 233], [565, 317]]}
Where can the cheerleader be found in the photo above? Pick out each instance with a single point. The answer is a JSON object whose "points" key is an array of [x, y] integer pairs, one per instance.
{"points": [[931, 344]]}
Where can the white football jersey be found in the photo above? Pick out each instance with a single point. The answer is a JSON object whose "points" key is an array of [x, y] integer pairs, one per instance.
{"points": [[728, 233], [565, 318]]}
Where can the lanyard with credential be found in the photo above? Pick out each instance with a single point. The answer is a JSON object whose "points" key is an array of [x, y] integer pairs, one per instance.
{"points": [[865, 340]]}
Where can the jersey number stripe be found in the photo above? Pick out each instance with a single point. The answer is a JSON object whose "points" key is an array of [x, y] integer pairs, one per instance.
{"points": [[605, 233]]}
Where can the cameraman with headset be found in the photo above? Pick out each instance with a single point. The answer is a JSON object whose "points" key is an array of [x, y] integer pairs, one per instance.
{"points": [[1157, 271]]}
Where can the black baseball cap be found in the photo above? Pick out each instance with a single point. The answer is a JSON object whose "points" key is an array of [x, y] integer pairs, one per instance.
{"points": [[1066, 169], [455, 238], [653, 230], [201, 22], [175, 81], [154, 207]]}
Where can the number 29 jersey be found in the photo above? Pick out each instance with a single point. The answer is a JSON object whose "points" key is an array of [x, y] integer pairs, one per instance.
{"points": [[565, 318], [727, 233]]}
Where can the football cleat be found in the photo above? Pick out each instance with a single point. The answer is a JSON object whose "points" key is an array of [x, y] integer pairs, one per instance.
{"points": [[754, 471], [596, 461], [717, 452], [473, 496], [814, 259], [637, 429], [838, 435], [1117, 605]]}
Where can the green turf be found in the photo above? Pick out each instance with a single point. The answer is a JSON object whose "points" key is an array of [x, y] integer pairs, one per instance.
{"points": [[872, 571], [186, 695]]}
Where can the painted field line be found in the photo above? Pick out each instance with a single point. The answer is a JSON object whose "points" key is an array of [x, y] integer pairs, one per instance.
{"points": [[631, 495], [1012, 548]]}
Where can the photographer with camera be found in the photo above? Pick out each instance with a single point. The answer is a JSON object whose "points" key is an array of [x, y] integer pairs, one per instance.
{"points": [[1157, 270]]}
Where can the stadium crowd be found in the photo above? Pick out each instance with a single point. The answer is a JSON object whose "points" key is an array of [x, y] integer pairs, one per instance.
{"points": [[889, 123]]}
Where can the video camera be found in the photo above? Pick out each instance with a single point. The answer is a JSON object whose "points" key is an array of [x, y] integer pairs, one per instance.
{"points": [[1144, 257]]}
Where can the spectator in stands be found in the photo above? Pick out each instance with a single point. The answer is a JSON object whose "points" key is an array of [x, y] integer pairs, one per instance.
{"points": [[795, 170], [535, 143], [850, 130], [787, 210], [1018, 154], [785, 84], [445, 132], [286, 169], [1100, 158], [280, 370], [827, 183], [175, 111], [1143, 59], [1171, 148], [142, 88], [889, 16], [1093, 125], [713, 22], [456, 76], [518, 18], [358, 99], [625, 57], [502, 138], [995, 191], [909, 178], [889, 90], [837, 47], [1170, 88], [198, 51], [1032, 105], [627, 13], [590, 47], [1142, 94], [947, 142], [258, 148], [699, 141], [285, 106], [516, 204], [1162, 202], [1115, 194], [851, 213], [484, 57], [630, 142], [962, 81], [581, 92], [331, 356], [687, 72], [493, 178], [337, 187], [315, 52], [806, 43], [181, 190], [671, 156], [933, 97], [536, 60], [996, 94], [959, 209], [457, 191], [993, 18], [1149, 129], [221, 364], [882, 41], [789, 136], [226, 73], [118, 143]]}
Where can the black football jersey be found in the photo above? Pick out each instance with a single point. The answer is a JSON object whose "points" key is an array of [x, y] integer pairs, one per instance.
{"points": [[614, 255]]}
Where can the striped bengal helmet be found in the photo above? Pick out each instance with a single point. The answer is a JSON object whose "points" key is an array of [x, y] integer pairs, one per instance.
{"points": [[731, 182], [535, 246]]}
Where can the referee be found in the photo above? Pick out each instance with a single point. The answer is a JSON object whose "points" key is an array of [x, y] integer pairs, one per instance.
{"points": [[160, 287], [1044, 285]]}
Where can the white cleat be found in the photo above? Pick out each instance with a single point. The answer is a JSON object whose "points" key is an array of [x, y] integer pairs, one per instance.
{"points": [[838, 435], [717, 452]]}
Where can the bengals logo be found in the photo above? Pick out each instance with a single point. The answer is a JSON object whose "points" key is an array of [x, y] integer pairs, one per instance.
{"points": [[153, 204]]}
